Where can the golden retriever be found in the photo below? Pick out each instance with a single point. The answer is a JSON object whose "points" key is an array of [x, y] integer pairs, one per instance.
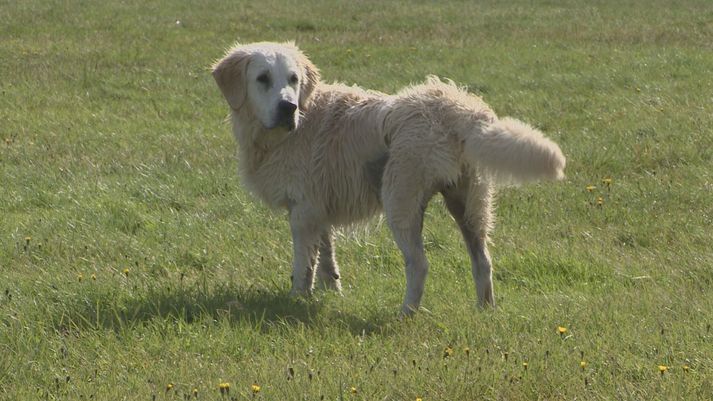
{"points": [[333, 155]]}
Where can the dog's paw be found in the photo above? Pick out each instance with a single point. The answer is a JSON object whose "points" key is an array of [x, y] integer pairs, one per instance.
{"points": [[408, 311], [300, 292], [329, 282]]}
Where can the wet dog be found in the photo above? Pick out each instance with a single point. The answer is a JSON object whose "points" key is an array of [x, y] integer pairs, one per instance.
{"points": [[333, 155]]}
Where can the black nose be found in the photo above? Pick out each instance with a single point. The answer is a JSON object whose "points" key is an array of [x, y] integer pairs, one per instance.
{"points": [[286, 109]]}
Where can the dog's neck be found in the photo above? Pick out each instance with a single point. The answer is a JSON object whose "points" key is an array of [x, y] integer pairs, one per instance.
{"points": [[254, 140]]}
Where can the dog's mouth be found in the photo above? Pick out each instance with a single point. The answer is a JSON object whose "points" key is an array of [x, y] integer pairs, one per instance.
{"points": [[282, 125]]}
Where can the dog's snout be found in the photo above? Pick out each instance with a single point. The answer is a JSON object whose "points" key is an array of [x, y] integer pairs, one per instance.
{"points": [[286, 108], [286, 113]]}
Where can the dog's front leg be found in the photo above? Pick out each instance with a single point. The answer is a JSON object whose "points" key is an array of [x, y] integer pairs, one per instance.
{"points": [[327, 268], [305, 242]]}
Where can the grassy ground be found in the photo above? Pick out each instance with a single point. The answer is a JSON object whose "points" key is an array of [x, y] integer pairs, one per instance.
{"points": [[134, 267]]}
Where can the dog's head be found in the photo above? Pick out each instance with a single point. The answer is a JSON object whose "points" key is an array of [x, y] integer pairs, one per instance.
{"points": [[273, 81]]}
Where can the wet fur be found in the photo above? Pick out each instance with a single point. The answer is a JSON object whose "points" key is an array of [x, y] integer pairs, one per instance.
{"points": [[355, 153]]}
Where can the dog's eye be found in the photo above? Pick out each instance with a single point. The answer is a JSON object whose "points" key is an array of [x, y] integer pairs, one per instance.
{"points": [[294, 79], [263, 79]]}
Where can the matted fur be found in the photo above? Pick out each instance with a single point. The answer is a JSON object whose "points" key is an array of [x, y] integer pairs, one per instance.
{"points": [[354, 153]]}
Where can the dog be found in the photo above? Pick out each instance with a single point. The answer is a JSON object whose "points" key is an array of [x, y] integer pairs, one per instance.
{"points": [[333, 155]]}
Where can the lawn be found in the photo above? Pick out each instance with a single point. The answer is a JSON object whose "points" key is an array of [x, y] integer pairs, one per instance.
{"points": [[133, 265]]}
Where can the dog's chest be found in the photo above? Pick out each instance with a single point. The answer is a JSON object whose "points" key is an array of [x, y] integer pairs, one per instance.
{"points": [[271, 179]]}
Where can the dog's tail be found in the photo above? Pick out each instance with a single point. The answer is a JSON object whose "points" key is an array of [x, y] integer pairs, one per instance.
{"points": [[512, 150]]}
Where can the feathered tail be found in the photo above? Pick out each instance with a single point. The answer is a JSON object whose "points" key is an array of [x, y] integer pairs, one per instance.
{"points": [[511, 149]]}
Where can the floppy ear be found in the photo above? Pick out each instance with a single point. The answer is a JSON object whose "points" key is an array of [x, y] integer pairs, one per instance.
{"points": [[310, 78], [229, 74]]}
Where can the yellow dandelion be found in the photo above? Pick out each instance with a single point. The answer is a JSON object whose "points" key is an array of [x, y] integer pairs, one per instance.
{"points": [[224, 388], [663, 369], [600, 201], [353, 390], [169, 387], [94, 276], [195, 392], [419, 399], [126, 272], [561, 330], [685, 368], [583, 364], [28, 239], [524, 365], [607, 181], [448, 351], [80, 277], [255, 388], [591, 188]]}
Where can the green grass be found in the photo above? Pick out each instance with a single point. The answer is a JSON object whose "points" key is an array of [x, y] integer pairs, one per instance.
{"points": [[116, 155]]}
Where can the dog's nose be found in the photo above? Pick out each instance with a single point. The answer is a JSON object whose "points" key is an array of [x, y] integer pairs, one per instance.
{"points": [[286, 114], [286, 108]]}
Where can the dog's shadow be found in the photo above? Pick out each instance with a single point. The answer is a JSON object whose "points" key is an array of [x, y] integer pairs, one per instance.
{"points": [[258, 308]]}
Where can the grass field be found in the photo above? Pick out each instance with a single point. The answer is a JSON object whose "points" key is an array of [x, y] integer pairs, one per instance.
{"points": [[133, 266]]}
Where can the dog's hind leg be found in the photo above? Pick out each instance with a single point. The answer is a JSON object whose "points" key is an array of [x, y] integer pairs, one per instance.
{"points": [[404, 210], [470, 202], [327, 268]]}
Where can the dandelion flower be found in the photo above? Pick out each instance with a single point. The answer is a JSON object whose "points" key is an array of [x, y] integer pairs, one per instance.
{"points": [[169, 387], [607, 181], [419, 399], [663, 368], [80, 277], [195, 392], [94, 276], [591, 188], [28, 239], [448, 351], [224, 388], [685, 368], [524, 365], [600, 201], [353, 390], [561, 330], [583, 364], [255, 388], [126, 272]]}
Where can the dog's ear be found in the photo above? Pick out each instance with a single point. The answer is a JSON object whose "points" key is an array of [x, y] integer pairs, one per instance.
{"points": [[310, 78], [229, 74]]}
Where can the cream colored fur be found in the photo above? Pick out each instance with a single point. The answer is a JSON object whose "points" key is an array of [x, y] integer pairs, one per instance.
{"points": [[354, 153]]}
